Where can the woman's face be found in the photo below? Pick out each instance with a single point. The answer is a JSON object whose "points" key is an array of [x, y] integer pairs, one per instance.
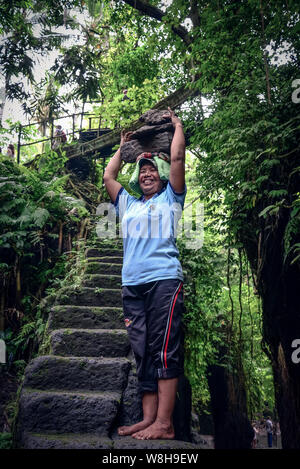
{"points": [[149, 180]]}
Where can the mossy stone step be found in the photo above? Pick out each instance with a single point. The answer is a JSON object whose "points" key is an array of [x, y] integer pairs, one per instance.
{"points": [[106, 260], [71, 373], [89, 343], [86, 317], [102, 280], [127, 442], [96, 252], [85, 296], [66, 441], [66, 411], [103, 268], [92, 441]]}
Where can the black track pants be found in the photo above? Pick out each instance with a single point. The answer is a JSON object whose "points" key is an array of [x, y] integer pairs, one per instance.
{"points": [[153, 314]]}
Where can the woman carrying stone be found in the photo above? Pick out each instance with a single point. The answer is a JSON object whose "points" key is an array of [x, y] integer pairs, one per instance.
{"points": [[152, 288]]}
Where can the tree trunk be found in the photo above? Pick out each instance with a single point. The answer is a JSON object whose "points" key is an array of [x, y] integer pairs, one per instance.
{"points": [[280, 294], [18, 283], [60, 238], [2, 306], [232, 429]]}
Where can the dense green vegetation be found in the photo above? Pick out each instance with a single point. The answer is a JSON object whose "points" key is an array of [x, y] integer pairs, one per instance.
{"points": [[243, 132]]}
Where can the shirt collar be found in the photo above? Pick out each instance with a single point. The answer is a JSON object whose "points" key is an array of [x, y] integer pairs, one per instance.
{"points": [[142, 198]]}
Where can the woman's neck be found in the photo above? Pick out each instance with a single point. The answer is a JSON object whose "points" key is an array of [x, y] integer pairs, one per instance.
{"points": [[147, 197]]}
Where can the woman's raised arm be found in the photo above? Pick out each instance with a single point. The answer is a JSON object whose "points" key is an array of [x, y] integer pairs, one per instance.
{"points": [[112, 169], [177, 169]]}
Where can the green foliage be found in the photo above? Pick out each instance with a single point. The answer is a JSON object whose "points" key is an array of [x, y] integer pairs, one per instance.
{"points": [[52, 162], [5, 441], [45, 101], [69, 269], [34, 205], [133, 67], [117, 111], [22, 41], [25, 196]]}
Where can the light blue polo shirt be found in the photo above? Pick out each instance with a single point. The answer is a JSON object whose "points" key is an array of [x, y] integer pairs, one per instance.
{"points": [[149, 235]]}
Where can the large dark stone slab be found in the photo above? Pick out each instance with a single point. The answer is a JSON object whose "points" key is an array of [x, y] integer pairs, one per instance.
{"points": [[86, 296], [160, 142], [151, 130], [127, 442], [131, 150], [106, 259], [102, 281], [155, 136], [89, 343], [67, 412], [95, 252], [155, 117], [66, 441], [102, 268], [86, 317], [92, 441], [72, 373]]}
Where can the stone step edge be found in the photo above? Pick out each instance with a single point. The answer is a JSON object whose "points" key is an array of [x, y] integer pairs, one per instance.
{"points": [[102, 263], [95, 259], [117, 247], [80, 359], [90, 253], [75, 392], [118, 276], [97, 309], [103, 260], [111, 443], [98, 330], [64, 440], [92, 289]]}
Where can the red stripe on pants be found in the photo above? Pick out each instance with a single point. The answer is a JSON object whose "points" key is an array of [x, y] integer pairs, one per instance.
{"points": [[165, 351]]}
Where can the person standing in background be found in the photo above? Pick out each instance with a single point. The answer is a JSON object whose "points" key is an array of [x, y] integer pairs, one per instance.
{"points": [[11, 151], [269, 428]]}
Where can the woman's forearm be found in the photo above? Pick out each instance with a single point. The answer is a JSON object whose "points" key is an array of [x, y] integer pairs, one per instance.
{"points": [[178, 143], [113, 167]]}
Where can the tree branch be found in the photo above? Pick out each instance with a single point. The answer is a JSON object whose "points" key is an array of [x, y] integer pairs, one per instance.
{"points": [[158, 14], [194, 13]]}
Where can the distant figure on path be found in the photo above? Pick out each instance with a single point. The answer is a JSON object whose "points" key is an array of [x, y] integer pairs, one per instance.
{"points": [[59, 137], [269, 428], [125, 97], [11, 151], [255, 438]]}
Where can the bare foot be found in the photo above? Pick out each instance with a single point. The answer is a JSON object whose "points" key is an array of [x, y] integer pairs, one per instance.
{"points": [[129, 429], [156, 431]]}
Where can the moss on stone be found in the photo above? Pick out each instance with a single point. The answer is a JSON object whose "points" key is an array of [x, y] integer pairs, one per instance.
{"points": [[45, 347]]}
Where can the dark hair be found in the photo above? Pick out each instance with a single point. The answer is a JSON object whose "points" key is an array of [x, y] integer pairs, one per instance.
{"points": [[11, 147], [145, 162]]}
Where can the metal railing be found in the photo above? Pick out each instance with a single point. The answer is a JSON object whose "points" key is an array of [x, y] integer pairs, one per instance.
{"points": [[52, 121]]}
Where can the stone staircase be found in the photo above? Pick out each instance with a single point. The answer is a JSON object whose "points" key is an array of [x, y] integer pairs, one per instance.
{"points": [[76, 396]]}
